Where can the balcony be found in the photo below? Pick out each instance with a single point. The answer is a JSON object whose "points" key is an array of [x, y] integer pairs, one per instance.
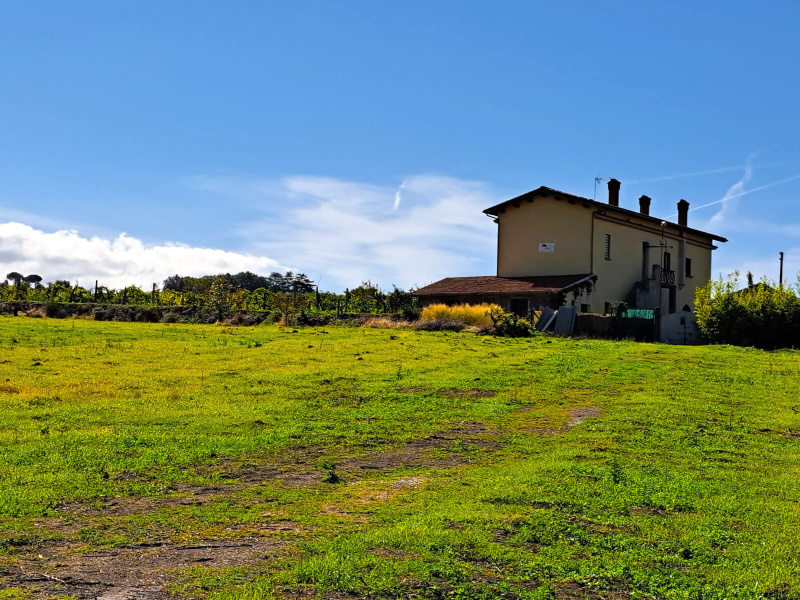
{"points": [[667, 278]]}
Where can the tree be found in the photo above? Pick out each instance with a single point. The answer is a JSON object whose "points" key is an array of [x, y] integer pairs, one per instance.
{"points": [[301, 284], [15, 277], [290, 304], [34, 280], [219, 296]]}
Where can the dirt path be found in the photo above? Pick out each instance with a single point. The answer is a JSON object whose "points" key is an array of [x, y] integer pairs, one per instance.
{"points": [[141, 572]]}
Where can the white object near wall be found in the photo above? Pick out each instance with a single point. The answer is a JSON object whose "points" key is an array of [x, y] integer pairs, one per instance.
{"points": [[547, 246]]}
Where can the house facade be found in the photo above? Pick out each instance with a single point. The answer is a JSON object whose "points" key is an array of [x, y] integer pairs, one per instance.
{"points": [[555, 248]]}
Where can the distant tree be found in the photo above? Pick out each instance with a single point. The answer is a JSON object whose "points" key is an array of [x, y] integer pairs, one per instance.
{"points": [[277, 282], [219, 296], [34, 280], [61, 283], [290, 304], [15, 277], [247, 281], [173, 282], [301, 284]]}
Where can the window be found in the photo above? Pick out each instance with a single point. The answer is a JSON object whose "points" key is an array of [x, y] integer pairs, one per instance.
{"points": [[608, 246], [667, 261], [607, 308], [688, 267], [585, 308]]}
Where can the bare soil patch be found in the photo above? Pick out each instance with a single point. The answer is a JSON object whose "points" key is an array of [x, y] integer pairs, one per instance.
{"points": [[576, 414], [459, 393], [569, 590], [139, 572]]}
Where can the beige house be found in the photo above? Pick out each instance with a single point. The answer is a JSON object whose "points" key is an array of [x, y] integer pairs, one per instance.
{"points": [[555, 248]]}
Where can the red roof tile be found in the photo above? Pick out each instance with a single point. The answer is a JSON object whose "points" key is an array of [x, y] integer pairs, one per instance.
{"points": [[488, 284]]}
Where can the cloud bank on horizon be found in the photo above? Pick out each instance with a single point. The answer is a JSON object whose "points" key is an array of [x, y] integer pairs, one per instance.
{"points": [[117, 262], [338, 231]]}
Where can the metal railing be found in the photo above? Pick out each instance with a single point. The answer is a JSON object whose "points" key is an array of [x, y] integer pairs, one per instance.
{"points": [[667, 277]]}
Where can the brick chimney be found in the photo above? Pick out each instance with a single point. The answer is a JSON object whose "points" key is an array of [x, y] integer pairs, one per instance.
{"points": [[683, 212], [644, 205], [613, 192]]}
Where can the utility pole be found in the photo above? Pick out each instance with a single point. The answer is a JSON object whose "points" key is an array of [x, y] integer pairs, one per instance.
{"points": [[780, 277]]}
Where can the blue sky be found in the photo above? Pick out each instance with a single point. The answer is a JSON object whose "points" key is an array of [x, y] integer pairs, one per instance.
{"points": [[361, 140]]}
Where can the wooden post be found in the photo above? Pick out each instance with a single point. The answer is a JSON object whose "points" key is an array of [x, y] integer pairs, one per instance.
{"points": [[95, 290]]}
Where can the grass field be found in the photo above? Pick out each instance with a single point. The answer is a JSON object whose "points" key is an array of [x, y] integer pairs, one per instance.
{"points": [[157, 461]]}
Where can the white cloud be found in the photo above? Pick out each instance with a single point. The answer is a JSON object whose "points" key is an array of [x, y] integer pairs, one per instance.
{"points": [[348, 232], [116, 262]]}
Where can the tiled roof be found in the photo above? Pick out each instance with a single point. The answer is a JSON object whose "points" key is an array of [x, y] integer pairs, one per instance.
{"points": [[588, 202], [488, 284]]}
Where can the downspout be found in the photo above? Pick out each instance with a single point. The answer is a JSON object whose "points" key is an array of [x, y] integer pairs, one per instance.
{"points": [[497, 269], [591, 248]]}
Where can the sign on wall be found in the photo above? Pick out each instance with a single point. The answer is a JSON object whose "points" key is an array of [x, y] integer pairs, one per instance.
{"points": [[547, 246]]}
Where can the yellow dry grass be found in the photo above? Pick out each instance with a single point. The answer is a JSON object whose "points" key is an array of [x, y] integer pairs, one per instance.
{"points": [[384, 323], [469, 314]]}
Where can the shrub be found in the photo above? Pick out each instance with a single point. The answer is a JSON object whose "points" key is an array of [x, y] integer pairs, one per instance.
{"points": [[760, 315], [476, 315], [509, 324]]}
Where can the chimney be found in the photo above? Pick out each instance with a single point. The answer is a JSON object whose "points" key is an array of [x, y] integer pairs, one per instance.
{"points": [[613, 192], [644, 205], [683, 212]]}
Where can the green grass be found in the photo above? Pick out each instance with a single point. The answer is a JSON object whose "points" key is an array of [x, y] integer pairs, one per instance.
{"points": [[687, 485]]}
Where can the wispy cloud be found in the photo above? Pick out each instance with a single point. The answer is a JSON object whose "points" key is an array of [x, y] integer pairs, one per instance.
{"points": [[730, 196], [685, 175], [737, 190], [431, 227], [117, 262], [398, 197]]}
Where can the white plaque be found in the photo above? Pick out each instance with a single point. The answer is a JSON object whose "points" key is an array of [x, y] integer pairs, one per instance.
{"points": [[547, 246]]}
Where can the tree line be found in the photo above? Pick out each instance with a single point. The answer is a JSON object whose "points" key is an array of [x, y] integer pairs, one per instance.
{"points": [[287, 294]]}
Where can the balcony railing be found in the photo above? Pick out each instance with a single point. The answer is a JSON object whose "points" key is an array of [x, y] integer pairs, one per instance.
{"points": [[667, 277]]}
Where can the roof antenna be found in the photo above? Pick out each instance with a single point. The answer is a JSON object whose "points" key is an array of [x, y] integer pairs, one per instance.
{"points": [[597, 180]]}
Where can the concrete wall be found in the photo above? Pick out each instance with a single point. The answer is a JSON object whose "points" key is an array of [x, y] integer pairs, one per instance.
{"points": [[616, 277], [521, 230], [679, 328]]}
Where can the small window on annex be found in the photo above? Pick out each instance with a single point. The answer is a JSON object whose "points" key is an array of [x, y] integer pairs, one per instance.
{"points": [[608, 246]]}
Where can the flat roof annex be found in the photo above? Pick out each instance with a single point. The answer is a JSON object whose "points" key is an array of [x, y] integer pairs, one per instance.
{"points": [[491, 285]]}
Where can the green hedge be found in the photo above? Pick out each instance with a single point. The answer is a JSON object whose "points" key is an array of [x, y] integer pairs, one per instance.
{"points": [[762, 315]]}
